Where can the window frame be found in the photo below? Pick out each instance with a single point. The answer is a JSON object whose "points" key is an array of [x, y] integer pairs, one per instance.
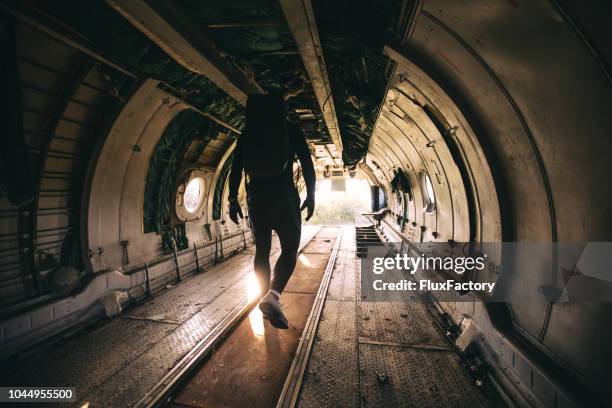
{"points": [[428, 192]]}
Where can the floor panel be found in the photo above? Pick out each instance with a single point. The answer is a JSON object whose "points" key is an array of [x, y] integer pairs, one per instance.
{"points": [[118, 362], [367, 352], [381, 350], [250, 367], [79, 362], [183, 301], [332, 376], [312, 267], [344, 282], [396, 322], [404, 377]]}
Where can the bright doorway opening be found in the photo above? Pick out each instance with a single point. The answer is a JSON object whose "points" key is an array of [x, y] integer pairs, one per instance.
{"points": [[342, 207]]}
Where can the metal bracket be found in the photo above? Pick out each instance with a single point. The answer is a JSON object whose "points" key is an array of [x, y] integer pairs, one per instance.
{"points": [[96, 251]]}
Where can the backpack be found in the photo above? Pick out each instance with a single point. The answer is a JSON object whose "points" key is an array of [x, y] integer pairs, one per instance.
{"points": [[265, 141]]}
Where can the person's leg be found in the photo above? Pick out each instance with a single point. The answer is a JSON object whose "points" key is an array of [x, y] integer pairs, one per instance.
{"points": [[284, 217], [263, 242], [289, 233], [270, 302]]}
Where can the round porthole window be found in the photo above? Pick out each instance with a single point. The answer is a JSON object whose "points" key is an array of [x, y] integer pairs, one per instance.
{"points": [[194, 193]]}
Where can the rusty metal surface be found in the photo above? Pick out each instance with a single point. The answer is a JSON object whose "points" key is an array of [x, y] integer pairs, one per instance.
{"points": [[184, 300], [320, 244], [325, 233], [332, 376], [290, 392], [311, 268], [131, 383], [89, 360], [250, 367], [344, 282], [397, 317], [399, 322], [119, 361], [381, 353], [400, 377]]}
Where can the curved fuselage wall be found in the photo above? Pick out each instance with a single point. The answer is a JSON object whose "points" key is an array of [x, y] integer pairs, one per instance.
{"points": [[538, 103], [117, 191]]}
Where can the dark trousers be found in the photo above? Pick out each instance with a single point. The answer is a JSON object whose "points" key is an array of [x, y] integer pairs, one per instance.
{"points": [[279, 211]]}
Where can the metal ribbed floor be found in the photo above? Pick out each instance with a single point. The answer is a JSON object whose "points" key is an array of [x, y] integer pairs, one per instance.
{"points": [[380, 354], [116, 363], [250, 367]]}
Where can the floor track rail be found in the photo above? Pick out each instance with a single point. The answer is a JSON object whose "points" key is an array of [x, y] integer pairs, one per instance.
{"points": [[291, 389], [172, 381]]}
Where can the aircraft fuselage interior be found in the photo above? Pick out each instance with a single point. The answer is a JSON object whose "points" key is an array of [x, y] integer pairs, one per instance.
{"points": [[460, 248]]}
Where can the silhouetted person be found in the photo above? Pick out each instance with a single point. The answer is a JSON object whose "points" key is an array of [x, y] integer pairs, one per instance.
{"points": [[266, 151]]}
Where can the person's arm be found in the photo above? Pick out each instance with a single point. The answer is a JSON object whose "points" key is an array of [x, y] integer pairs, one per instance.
{"points": [[235, 177], [303, 155], [308, 172]]}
